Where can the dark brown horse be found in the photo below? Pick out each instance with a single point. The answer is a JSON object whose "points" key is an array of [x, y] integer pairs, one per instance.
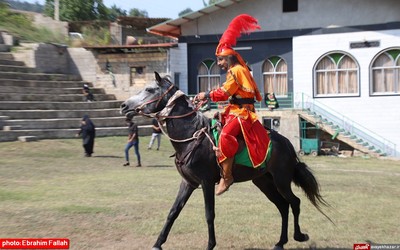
{"points": [[195, 160]]}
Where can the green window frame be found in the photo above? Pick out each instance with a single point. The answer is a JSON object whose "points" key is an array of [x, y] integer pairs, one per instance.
{"points": [[275, 76], [336, 74], [385, 73], [208, 75]]}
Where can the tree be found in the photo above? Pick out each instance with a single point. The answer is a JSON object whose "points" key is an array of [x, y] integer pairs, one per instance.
{"points": [[115, 12], [135, 12], [185, 11], [78, 10]]}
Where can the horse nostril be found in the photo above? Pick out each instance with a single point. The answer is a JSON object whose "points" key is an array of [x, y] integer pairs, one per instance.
{"points": [[123, 107]]}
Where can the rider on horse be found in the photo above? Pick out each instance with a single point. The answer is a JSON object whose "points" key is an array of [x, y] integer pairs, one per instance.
{"points": [[239, 117]]}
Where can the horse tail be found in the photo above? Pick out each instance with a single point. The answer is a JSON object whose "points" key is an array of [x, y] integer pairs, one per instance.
{"points": [[304, 178]]}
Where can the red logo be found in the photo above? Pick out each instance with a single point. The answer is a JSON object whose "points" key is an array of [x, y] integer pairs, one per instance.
{"points": [[362, 246]]}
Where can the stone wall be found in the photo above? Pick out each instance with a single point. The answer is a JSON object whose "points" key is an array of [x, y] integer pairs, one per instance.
{"points": [[91, 66], [46, 58], [46, 22], [122, 80]]}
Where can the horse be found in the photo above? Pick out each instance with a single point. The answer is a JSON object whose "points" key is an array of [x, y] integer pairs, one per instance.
{"points": [[189, 132]]}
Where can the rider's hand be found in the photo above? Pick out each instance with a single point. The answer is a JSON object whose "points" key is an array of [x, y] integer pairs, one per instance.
{"points": [[201, 96]]}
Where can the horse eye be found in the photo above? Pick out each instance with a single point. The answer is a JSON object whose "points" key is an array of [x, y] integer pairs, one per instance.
{"points": [[150, 90]]}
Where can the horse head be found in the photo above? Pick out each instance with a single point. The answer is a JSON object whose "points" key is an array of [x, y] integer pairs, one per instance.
{"points": [[151, 99]]}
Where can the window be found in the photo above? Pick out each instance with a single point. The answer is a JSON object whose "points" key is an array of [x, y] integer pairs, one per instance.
{"points": [[275, 76], [289, 5], [385, 72], [137, 75], [208, 76], [336, 74]]}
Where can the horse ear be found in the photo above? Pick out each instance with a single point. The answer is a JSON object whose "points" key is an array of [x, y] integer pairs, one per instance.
{"points": [[158, 77]]}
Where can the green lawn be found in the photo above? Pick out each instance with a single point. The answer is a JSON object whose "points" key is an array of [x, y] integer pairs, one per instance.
{"points": [[48, 189]]}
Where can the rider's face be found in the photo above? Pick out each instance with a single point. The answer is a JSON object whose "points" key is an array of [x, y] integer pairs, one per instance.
{"points": [[222, 62]]}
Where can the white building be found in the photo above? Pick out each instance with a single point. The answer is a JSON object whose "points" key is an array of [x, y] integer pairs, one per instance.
{"points": [[338, 59]]}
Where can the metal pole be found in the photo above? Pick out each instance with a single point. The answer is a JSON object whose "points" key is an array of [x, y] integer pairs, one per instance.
{"points": [[57, 10]]}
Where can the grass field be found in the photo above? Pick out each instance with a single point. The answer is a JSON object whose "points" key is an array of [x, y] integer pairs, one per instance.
{"points": [[49, 190]]}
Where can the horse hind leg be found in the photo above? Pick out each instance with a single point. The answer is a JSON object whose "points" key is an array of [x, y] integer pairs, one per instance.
{"points": [[266, 184], [286, 191]]}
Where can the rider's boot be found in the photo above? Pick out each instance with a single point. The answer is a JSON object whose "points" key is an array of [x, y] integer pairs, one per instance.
{"points": [[227, 178]]}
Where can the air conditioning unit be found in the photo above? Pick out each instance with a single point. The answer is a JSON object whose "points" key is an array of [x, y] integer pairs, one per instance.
{"points": [[272, 122]]}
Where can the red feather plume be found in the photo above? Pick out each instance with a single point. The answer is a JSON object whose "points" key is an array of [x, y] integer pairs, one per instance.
{"points": [[241, 24]]}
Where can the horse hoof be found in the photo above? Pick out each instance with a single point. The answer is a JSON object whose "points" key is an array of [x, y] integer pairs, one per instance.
{"points": [[301, 237], [278, 248], [156, 248]]}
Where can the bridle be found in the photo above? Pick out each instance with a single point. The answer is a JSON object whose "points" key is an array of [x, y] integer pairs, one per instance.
{"points": [[158, 100], [160, 114], [164, 114]]}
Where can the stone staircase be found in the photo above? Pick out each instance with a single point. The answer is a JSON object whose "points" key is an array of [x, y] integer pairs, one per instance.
{"points": [[35, 105], [358, 142]]}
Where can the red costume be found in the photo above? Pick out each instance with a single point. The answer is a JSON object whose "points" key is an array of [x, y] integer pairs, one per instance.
{"points": [[241, 89]]}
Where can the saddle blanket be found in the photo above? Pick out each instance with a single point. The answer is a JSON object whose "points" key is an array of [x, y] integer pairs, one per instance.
{"points": [[243, 156]]}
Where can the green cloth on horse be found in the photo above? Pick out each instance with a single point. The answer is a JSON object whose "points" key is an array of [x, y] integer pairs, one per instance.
{"points": [[241, 158]]}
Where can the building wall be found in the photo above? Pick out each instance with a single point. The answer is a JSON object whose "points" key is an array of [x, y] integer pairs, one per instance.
{"points": [[310, 14], [46, 58], [255, 54], [379, 114], [91, 66], [178, 66], [120, 67]]}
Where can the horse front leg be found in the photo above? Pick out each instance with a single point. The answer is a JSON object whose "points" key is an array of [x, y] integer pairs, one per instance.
{"points": [[209, 201], [185, 191]]}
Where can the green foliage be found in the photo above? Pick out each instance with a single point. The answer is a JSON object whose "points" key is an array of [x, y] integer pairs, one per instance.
{"points": [[96, 35], [21, 26], [78, 10], [138, 13], [34, 7], [115, 12], [185, 11]]}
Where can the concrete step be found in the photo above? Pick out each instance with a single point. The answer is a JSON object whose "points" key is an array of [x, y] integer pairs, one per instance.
{"points": [[27, 138], [6, 56], [43, 83], [68, 123], [17, 69], [9, 106], [42, 90], [51, 114], [39, 76], [11, 127], [5, 48], [11, 62], [52, 97], [144, 130]]}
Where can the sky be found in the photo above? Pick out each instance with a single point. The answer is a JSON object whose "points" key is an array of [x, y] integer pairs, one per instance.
{"points": [[155, 8]]}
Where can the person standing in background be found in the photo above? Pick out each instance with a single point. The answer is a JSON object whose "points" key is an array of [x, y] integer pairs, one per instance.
{"points": [[88, 132], [87, 93], [156, 134], [133, 140]]}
